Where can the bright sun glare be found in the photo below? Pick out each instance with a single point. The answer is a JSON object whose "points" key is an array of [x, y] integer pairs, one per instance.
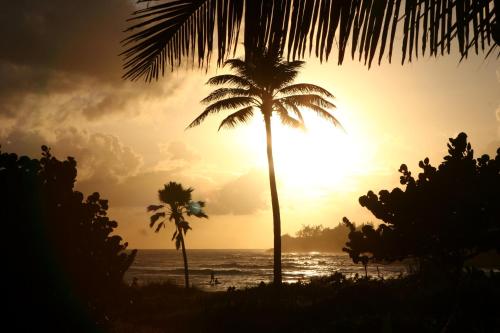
{"points": [[312, 163]]}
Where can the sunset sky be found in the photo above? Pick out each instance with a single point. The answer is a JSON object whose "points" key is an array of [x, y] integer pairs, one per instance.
{"points": [[60, 85]]}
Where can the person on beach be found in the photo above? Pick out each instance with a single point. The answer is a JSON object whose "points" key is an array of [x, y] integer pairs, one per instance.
{"points": [[212, 277]]}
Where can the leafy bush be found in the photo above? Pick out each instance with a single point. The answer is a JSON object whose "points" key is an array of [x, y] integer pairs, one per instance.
{"points": [[62, 254], [444, 217]]}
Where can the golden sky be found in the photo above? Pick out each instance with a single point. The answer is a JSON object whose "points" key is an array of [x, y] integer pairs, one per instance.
{"points": [[62, 87]]}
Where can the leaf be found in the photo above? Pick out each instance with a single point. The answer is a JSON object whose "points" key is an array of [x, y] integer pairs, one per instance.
{"points": [[241, 116], [225, 93], [286, 119], [152, 208], [305, 88], [235, 80], [226, 104], [184, 225], [159, 226], [155, 217], [167, 32]]}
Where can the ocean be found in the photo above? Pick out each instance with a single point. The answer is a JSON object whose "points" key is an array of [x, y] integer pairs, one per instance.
{"points": [[244, 268]]}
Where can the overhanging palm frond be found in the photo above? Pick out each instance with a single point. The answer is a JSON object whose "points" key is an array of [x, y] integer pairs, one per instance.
{"points": [[172, 30], [225, 104], [175, 29], [241, 116]]}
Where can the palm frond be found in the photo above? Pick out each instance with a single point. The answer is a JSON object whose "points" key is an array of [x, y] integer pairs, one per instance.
{"points": [[241, 116], [305, 100], [155, 217], [225, 104], [153, 208], [325, 115], [305, 88], [291, 108], [228, 92], [285, 73], [172, 30], [230, 79], [159, 226], [236, 64], [184, 226], [287, 120]]}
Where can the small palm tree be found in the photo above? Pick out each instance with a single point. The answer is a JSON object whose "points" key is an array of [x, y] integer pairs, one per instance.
{"points": [[264, 84], [178, 202]]}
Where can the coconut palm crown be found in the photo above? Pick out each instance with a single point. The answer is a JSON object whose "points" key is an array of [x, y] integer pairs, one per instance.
{"points": [[264, 85], [177, 202]]}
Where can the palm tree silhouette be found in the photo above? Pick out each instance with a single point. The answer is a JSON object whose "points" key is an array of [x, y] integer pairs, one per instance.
{"points": [[168, 32], [178, 202], [265, 84]]}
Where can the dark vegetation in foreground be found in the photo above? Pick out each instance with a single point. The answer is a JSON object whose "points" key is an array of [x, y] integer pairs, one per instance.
{"points": [[442, 218], [416, 303], [63, 266]]}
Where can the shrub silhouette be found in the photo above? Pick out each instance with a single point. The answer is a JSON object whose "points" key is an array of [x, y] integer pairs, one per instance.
{"points": [[63, 259], [444, 217]]}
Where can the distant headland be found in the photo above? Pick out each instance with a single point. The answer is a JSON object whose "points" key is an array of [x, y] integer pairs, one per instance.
{"points": [[316, 238]]}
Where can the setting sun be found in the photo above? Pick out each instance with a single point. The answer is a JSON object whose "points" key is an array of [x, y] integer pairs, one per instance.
{"points": [[314, 162]]}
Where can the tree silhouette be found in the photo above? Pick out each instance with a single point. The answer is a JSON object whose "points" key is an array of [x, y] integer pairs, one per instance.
{"points": [[362, 245], [63, 258], [265, 84], [164, 33], [444, 217], [178, 202]]}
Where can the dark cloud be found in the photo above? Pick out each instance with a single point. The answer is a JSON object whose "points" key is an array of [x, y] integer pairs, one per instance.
{"points": [[101, 158], [65, 55], [244, 195], [78, 36]]}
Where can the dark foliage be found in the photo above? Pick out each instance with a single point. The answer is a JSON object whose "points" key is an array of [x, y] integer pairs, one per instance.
{"points": [[62, 263], [447, 215], [164, 33], [329, 304]]}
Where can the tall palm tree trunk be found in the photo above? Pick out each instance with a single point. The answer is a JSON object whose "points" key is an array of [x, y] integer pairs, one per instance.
{"points": [[274, 202], [184, 255]]}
